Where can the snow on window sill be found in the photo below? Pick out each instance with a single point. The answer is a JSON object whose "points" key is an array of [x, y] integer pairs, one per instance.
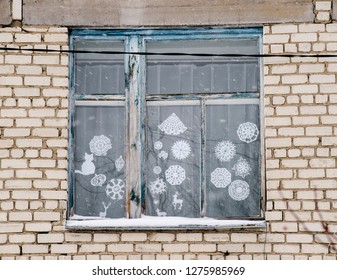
{"points": [[159, 223]]}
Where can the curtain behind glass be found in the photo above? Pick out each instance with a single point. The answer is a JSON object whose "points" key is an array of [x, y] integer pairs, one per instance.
{"points": [[99, 73], [233, 177], [99, 183], [199, 74], [173, 160]]}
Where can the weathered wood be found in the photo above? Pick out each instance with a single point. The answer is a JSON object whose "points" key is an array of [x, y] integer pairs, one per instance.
{"points": [[134, 119], [165, 13], [5, 12], [334, 9]]}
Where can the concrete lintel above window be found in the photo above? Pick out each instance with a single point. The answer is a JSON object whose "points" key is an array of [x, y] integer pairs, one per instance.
{"points": [[165, 13]]}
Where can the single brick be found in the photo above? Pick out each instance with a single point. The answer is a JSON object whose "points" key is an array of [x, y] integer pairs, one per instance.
{"points": [[148, 248], [63, 249], [120, 248], [27, 38], [175, 248], [92, 248], [38, 227], [9, 250], [11, 227], [47, 216], [22, 238]]}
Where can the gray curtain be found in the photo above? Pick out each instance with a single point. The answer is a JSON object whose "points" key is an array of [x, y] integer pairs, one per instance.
{"points": [[99, 133], [233, 161], [173, 161]]}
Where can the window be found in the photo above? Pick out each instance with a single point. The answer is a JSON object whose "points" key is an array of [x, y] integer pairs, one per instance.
{"points": [[165, 134]]}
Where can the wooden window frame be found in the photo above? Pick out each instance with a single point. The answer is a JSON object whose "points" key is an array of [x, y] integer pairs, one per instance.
{"points": [[135, 99]]}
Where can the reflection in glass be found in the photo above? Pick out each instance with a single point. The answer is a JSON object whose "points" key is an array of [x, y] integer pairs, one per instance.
{"points": [[180, 74], [99, 73]]}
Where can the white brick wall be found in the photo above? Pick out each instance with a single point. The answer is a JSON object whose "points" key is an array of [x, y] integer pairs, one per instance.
{"points": [[300, 130]]}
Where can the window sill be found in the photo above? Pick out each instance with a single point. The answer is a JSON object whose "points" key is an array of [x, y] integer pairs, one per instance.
{"points": [[160, 223]]}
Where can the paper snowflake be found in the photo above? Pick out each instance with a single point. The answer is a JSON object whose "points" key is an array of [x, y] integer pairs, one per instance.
{"points": [[119, 163], [158, 186], [238, 190], [99, 145], [158, 145], [221, 177], [172, 125], [98, 180], [181, 149], [157, 170], [175, 175], [225, 150], [163, 155], [248, 132], [242, 168], [115, 189]]}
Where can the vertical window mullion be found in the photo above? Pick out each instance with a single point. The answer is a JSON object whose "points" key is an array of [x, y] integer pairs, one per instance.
{"points": [[203, 158], [134, 131]]}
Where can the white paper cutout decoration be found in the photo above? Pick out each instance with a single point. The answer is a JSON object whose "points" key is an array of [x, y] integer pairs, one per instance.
{"points": [[175, 175], [181, 149], [163, 155], [172, 125], [119, 163], [242, 168], [160, 213], [157, 170], [87, 167], [100, 145], [98, 180], [158, 186], [177, 202], [248, 132], [221, 177], [106, 207], [158, 145], [115, 189], [225, 151], [238, 190]]}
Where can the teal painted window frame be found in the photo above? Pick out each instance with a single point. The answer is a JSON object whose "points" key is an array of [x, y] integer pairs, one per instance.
{"points": [[135, 94]]}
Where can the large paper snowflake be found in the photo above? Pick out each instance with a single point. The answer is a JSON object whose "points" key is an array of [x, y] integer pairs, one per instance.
{"points": [[158, 186], [99, 145], [248, 132], [181, 149], [242, 168], [225, 150], [115, 189], [175, 175], [221, 177], [172, 125], [119, 163], [238, 190]]}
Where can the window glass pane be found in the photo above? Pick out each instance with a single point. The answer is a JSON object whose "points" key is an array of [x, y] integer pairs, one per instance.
{"points": [[99, 183], [173, 161], [232, 161], [99, 73], [193, 74]]}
